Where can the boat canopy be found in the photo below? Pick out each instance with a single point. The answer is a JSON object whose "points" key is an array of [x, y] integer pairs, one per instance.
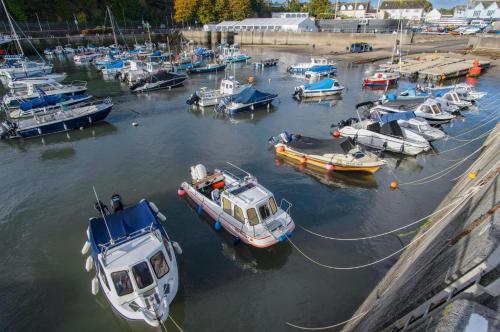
{"points": [[45, 101], [122, 225], [326, 83], [309, 145], [250, 95], [115, 64], [319, 69], [397, 116]]}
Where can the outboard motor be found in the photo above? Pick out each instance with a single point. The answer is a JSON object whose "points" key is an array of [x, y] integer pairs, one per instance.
{"points": [[116, 203], [297, 92], [7, 129], [193, 99], [101, 208]]}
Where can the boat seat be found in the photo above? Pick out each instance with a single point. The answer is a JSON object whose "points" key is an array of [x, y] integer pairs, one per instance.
{"points": [[216, 196]]}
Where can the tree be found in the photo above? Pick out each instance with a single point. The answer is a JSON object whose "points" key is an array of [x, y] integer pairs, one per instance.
{"points": [[185, 10], [294, 6], [222, 10], [317, 7], [240, 9], [206, 12]]}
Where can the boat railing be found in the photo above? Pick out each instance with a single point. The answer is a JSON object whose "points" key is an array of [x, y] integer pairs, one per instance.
{"points": [[285, 205]]}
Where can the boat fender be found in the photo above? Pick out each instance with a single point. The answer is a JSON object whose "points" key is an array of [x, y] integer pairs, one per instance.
{"points": [[472, 175], [280, 149], [161, 216], [181, 192], [336, 134], [303, 160], [89, 263], [329, 167], [95, 286], [394, 185], [153, 207], [88, 233], [86, 247], [199, 209], [177, 248], [217, 226]]}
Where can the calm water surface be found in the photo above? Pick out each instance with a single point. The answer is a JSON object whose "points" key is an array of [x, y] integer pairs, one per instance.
{"points": [[46, 195]]}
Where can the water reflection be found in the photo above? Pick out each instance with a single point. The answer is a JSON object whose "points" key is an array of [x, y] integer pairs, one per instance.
{"points": [[253, 116], [58, 153], [330, 101], [331, 179]]}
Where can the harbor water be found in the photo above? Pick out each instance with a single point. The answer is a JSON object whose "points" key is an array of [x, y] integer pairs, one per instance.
{"points": [[47, 198]]}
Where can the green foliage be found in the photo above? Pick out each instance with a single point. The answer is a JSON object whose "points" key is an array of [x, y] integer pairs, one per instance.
{"points": [[294, 6], [222, 10], [16, 9], [206, 11], [240, 9], [446, 11], [317, 7], [185, 10]]}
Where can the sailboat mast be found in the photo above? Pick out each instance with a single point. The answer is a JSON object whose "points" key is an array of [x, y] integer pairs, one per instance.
{"points": [[14, 34], [112, 25]]}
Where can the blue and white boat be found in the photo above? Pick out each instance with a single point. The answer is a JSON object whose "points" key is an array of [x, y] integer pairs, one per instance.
{"points": [[45, 104], [246, 100], [316, 68], [233, 54], [210, 68], [325, 87], [134, 260], [64, 119], [408, 95], [113, 67]]}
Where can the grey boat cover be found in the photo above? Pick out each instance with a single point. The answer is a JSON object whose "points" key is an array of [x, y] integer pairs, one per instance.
{"points": [[309, 145]]}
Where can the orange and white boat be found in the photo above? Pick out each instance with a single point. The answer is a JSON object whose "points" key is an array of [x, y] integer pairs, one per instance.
{"points": [[381, 79]]}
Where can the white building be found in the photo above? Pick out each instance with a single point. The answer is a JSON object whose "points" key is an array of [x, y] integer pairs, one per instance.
{"points": [[459, 11], [433, 16], [484, 10], [351, 9], [289, 14], [298, 24], [396, 9]]}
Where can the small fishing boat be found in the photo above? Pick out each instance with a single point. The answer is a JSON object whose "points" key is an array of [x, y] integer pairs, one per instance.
{"points": [[233, 54], [407, 120], [316, 65], [452, 98], [266, 63], [205, 97], [159, 80], [187, 64], [34, 90], [85, 57], [409, 95], [21, 83], [246, 100], [134, 260], [381, 79], [242, 206], [320, 71], [327, 154], [387, 136], [25, 68], [210, 68], [113, 67], [325, 87], [45, 104], [64, 119]]}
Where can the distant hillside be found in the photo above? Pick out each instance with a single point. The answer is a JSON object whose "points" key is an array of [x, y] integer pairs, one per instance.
{"points": [[91, 12]]}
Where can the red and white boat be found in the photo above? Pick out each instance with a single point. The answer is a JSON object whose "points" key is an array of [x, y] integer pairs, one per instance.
{"points": [[381, 79]]}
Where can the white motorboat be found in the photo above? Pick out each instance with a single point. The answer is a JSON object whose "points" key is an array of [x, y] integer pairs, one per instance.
{"points": [[25, 68], [159, 80], [432, 111], [242, 206], [317, 65], [247, 100], [134, 260], [233, 54], [21, 83], [85, 57], [464, 91], [59, 50], [205, 97], [407, 120], [325, 87], [33, 90], [452, 98], [386, 137]]}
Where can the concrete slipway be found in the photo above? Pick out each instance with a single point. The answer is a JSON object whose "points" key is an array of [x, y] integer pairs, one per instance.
{"points": [[449, 278]]}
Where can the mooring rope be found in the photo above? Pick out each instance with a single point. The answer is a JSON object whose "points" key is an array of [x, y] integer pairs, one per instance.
{"points": [[454, 203], [479, 125], [327, 327], [468, 142], [175, 323]]}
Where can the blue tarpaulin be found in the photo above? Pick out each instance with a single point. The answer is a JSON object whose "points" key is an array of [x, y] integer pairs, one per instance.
{"points": [[397, 116], [45, 101], [251, 95], [121, 224], [326, 83], [318, 69], [115, 64]]}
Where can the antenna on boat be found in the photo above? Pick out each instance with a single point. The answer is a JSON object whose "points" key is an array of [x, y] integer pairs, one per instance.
{"points": [[103, 216]]}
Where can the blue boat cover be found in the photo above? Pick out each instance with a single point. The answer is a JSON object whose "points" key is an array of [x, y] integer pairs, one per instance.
{"points": [[115, 64], [318, 69], [326, 83], [397, 116], [121, 224], [45, 101], [251, 95]]}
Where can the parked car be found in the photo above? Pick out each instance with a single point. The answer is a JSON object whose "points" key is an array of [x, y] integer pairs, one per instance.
{"points": [[360, 47]]}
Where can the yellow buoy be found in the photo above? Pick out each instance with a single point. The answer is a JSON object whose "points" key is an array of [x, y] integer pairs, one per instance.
{"points": [[472, 175], [394, 185]]}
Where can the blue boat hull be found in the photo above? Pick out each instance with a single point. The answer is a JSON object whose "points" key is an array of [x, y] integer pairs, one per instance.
{"points": [[202, 70], [52, 128]]}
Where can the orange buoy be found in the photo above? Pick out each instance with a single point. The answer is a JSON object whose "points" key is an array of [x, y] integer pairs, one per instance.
{"points": [[475, 71], [394, 185], [251, 79], [181, 192], [472, 175], [475, 63], [303, 160], [336, 134], [280, 149]]}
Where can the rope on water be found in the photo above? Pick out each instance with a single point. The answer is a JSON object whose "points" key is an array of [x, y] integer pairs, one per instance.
{"points": [[355, 267], [175, 323], [470, 141], [480, 124], [327, 327], [454, 204]]}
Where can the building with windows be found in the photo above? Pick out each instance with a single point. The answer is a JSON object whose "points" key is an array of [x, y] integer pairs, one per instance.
{"points": [[289, 24], [483, 10], [433, 16], [408, 9], [357, 9], [289, 15]]}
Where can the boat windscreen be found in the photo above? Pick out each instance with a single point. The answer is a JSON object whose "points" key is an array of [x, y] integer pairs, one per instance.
{"points": [[391, 128], [242, 189], [397, 116]]}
